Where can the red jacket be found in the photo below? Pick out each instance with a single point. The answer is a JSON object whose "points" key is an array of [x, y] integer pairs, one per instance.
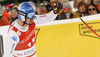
{"points": [[6, 14], [4, 21]]}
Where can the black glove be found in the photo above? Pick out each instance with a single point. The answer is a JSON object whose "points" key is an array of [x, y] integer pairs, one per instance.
{"points": [[57, 6]]}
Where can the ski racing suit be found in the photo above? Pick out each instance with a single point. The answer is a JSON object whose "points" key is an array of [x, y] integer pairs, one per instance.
{"points": [[20, 41]]}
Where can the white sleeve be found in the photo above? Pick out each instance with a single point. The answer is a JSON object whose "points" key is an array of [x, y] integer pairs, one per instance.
{"points": [[45, 18], [11, 41]]}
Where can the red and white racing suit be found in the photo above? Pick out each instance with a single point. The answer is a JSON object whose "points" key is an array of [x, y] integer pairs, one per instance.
{"points": [[20, 41]]}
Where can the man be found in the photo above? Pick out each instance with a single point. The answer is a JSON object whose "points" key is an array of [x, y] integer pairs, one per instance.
{"points": [[3, 20], [21, 34]]}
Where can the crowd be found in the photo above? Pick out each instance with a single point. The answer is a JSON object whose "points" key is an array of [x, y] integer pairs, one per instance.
{"points": [[81, 8]]}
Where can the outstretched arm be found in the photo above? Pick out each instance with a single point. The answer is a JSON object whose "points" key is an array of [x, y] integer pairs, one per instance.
{"points": [[45, 18], [49, 16]]}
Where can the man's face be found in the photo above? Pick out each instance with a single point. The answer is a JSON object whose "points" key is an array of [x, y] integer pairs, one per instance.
{"points": [[82, 8], [29, 21], [52, 2], [92, 10]]}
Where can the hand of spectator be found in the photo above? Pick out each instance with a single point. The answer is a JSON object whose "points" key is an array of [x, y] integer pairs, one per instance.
{"points": [[57, 6]]}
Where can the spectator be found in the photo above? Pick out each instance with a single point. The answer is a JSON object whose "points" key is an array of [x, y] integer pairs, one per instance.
{"points": [[10, 8], [92, 9], [13, 15], [65, 14], [75, 9], [82, 6], [42, 11], [90, 1], [44, 5], [3, 19], [96, 2], [6, 14]]}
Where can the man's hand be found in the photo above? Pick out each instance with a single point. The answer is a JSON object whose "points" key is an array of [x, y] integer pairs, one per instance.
{"points": [[57, 6]]}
